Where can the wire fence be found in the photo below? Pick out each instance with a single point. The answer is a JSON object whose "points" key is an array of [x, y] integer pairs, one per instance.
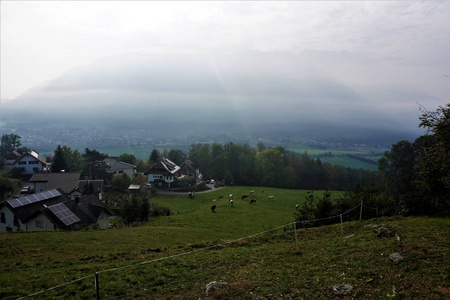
{"points": [[351, 214]]}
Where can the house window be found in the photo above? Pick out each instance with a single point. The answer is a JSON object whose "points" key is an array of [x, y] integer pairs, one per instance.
{"points": [[22, 162], [16, 221], [33, 162], [100, 216], [3, 218], [120, 172], [35, 170], [39, 224]]}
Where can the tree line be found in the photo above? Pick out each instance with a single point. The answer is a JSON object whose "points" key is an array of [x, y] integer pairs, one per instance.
{"points": [[274, 167]]}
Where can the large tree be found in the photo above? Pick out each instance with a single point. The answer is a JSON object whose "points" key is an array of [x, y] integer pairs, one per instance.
{"points": [[128, 158], [66, 159], [177, 156], [59, 161], [9, 142], [433, 160], [73, 158], [155, 156], [94, 165]]}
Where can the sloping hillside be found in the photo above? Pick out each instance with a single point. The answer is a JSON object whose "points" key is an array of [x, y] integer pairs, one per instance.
{"points": [[169, 258]]}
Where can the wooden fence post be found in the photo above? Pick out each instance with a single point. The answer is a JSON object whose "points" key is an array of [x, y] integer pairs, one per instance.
{"points": [[97, 288], [295, 231], [360, 212]]}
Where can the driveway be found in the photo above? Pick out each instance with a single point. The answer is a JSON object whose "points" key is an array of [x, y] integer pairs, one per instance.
{"points": [[168, 192]]}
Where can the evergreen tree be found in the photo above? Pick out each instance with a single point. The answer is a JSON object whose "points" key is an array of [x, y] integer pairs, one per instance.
{"points": [[94, 165], [59, 161], [154, 156]]}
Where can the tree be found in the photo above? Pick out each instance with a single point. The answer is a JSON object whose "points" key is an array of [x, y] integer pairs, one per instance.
{"points": [[73, 158], [59, 161], [121, 182], [433, 161], [94, 165], [139, 179], [9, 142], [228, 178], [144, 210], [177, 156], [8, 186], [200, 155], [260, 146], [270, 165], [127, 158], [155, 156]]}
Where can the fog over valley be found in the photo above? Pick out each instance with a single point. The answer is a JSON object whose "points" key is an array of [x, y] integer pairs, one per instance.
{"points": [[329, 71], [242, 93]]}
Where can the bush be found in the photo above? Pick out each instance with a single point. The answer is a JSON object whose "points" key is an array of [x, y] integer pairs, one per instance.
{"points": [[140, 210], [121, 183]]}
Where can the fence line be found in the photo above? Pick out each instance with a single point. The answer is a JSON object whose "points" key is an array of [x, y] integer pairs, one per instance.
{"points": [[185, 253], [57, 286], [327, 218]]}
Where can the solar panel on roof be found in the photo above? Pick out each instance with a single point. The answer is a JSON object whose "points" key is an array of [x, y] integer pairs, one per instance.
{"points": [[40, 197], [14, 203], [64, 214], [25, 200]]}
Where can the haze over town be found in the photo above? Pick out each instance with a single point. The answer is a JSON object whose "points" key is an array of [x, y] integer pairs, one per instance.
{"points": [[325, 70]]}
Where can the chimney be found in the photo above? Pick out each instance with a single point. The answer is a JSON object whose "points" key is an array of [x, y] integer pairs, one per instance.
{"points": [[77, 199]]}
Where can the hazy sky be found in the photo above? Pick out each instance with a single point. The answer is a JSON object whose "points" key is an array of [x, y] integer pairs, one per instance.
{"points": [[406, 42]]}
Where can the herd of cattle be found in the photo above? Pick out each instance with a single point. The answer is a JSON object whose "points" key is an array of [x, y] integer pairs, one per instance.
{"points": [[231, 196]]}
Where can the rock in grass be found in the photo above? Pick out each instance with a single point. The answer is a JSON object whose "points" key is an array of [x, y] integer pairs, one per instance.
{"points": [[342, 289], [383, 232], [395, 257], [213, 284]]}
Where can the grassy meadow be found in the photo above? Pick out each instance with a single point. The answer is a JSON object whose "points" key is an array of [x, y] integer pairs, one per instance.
{"points": [[342, 160], [266, 266]]}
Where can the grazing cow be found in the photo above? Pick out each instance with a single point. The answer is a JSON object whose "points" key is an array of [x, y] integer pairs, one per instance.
{"points": [[253, 201], [297, 207], [213, 208], [231, 202], [251, 192], [244, 196], [230, 196], [270, 198], [214, 200], [220, 197], [262, 192]]}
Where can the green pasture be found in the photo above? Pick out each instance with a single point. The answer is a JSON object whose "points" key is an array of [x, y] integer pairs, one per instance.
{"points": [[266, 266], [301, 148], [349, 162], [139, 152]]}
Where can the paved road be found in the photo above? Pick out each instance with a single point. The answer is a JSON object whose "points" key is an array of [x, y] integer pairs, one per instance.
{"points": [[168, 192]]}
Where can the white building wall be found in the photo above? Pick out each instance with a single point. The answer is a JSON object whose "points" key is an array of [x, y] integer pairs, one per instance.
{"points": [[40, 223], [128, 172], [9, 221], [30, 164], [39, 186]]}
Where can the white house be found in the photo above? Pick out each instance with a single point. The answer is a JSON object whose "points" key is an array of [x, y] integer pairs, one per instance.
{"points": [[119, 167], [162, 174], [31, 161]]}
